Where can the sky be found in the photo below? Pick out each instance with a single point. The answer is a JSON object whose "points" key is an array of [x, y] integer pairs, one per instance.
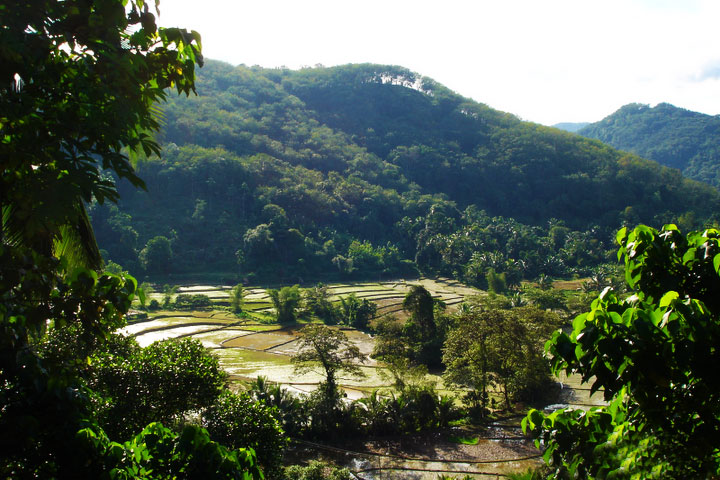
{"points": [[545, 61]]}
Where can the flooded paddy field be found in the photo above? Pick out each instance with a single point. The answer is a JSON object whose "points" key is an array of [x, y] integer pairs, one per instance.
{"points": [[252, 346], [247, 348]]}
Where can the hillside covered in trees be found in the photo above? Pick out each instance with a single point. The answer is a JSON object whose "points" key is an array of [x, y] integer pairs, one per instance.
{"points": [[370, 169], [672, 136], [571, 126]]}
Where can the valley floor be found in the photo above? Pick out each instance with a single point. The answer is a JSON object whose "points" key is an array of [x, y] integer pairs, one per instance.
{"points": [[249, 347]]}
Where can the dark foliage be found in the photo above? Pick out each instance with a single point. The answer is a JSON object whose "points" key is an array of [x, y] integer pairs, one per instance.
{"points": [[654, 355], [370, 170]]}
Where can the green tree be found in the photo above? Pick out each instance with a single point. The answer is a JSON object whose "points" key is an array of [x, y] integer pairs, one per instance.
{"points": [[357, 312], [78, 86], [168, 293], [496, 282], [157, 255], [158, 452], [329, 349], [238, 421], [258, 244], [419, 303], [236, 298], [501, 348], [160, 382], [420, 330], [654, 353], [316, 300], [393, 349], [364, 257], [43, 402], [288, 407], [285, 301], [186, 301]]}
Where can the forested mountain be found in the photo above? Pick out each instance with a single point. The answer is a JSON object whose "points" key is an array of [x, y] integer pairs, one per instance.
{"points": [[672, 136], [368, 168], [571, 126]]}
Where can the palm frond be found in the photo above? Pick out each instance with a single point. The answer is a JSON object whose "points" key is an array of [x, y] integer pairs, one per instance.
{"points": [[75, 242]]}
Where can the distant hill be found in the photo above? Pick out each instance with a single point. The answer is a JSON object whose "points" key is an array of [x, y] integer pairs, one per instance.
{"points": [[672, 136], [369, 168], [570, 126]]}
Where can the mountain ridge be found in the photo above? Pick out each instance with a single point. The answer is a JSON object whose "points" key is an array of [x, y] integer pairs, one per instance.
{"points": [[672, 136], [368, 167]]}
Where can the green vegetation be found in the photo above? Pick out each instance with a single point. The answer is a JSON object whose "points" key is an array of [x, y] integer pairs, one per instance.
{"points": [[329, 349], [236, 298], [317, 471], [345, 173], [362, 171], [654, 355], [185, 301], [417, 341], [500, 348], [671, 136], [316, 302], [465, 440], [411, 404], [285, 301], [77, 92], [356, 312], [159, 383], [239, 421], [159, 452]]}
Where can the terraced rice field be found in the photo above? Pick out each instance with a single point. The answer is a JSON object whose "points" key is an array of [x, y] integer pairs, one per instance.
{"points": [[253, 346], [247, 348]]}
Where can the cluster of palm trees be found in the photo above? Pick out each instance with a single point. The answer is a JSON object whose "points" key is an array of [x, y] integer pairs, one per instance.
{"points": [[412, 409]]}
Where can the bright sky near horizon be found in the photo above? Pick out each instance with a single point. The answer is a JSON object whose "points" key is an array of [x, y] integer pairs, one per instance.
{"points": [[544, 61]]}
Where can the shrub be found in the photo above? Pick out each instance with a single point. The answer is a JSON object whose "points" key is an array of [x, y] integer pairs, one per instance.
{"points": [[157, 383], [357, 312], [317, 471], [238, 421], [190, 302], [287, 408]]}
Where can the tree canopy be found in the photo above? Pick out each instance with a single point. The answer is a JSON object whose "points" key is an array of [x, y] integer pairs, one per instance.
{"points": [[329, 349], [654, 354], [671, 136], [371, 171], [499, 348], [78, 85]]}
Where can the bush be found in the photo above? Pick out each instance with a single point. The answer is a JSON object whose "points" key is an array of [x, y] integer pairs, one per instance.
{"points": [[316, 300], [161, 382], [317, 471], [329, 415], [357, 312], [285, 301], [238, 421], [287, 408], [190, 302], [158, 452], [416, 408]]}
